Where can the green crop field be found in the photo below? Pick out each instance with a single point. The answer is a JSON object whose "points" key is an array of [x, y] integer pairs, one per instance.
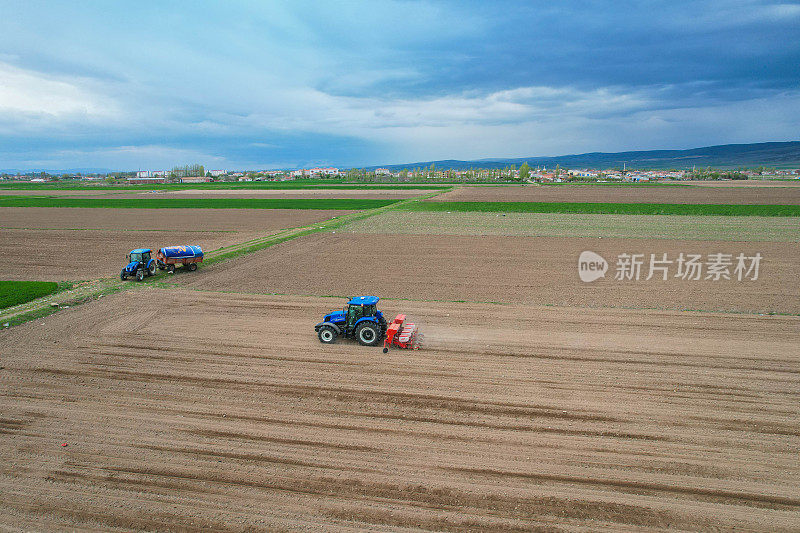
{"points": [[19, 292], [350, 204], [609, 208], [267, 185]]}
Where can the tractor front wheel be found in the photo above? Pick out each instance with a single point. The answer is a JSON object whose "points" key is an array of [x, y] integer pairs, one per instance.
{"points": [[122, 276], [368, 334], [152, 269], [139, 275], [327, 335]]}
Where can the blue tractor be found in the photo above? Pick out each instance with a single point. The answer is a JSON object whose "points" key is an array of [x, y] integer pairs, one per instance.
{"points": [[140, 264], [360, 319]]}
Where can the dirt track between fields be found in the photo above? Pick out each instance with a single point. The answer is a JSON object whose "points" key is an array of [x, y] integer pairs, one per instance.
{"points": [[624, 194], [534, 270], [224, 412], [44, 243]]}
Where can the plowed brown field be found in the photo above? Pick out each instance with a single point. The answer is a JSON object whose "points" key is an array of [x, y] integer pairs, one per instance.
{"points": [[625, 194], [224, 412], [537, 270], [45, 243]]}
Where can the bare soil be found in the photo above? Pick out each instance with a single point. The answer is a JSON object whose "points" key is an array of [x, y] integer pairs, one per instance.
{"points": [[187, 410], [707, 228], [44, 243], [534, 270], [625, 194]]}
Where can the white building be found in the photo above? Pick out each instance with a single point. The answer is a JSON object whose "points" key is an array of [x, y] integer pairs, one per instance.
{"points": [[321, 171], [217, 173]]}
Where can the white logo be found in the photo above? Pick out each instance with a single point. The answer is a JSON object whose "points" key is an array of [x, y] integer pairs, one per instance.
{"points": [[591, 266]]}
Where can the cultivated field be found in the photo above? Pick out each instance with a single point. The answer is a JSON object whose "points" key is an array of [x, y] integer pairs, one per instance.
{"points": [[539, 402], [55, 244], [223, 412], [626, 194], [519, 269], [704, 228]]}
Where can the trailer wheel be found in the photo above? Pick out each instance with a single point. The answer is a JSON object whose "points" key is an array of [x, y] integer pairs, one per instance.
{"points": [[152, 269], [368, 334], [192, 267], [139, 275], [327, 335], [171, 269]]}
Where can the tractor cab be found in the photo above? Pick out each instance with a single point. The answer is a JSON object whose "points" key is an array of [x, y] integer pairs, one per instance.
{"points": [[140, 264], [360, 318], [356, 311], [140, 256]]}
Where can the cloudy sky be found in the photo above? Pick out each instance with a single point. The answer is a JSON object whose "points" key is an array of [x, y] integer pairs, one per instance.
{"points": [[235, 84]]}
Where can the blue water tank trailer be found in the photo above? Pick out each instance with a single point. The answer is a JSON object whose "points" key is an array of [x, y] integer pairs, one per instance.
{"points": [[188, 256]]}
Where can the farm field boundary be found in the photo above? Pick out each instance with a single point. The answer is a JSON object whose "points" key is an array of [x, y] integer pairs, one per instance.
{"points": [[610, 208], [350, 204]]}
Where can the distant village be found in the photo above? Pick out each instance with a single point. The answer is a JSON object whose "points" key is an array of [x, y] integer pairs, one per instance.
{"points": [[525, 173]]}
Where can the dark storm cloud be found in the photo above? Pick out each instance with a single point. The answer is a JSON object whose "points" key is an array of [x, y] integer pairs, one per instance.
{"points": [[353, 83]]}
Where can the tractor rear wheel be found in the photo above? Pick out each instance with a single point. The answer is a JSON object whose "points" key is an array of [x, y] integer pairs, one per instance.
{"points": [[327, 335], [368, 334]]}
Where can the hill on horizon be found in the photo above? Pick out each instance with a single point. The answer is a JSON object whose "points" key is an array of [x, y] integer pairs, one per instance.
{"points": [[728, 156]]}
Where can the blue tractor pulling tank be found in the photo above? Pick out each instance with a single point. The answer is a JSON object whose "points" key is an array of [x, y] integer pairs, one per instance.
{"points": [[360, 319]]}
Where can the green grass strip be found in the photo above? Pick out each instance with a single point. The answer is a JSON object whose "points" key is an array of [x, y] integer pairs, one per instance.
{"points": [[351, 204], [18, 292], [609, 208], [236, 250], [21, 318]]}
